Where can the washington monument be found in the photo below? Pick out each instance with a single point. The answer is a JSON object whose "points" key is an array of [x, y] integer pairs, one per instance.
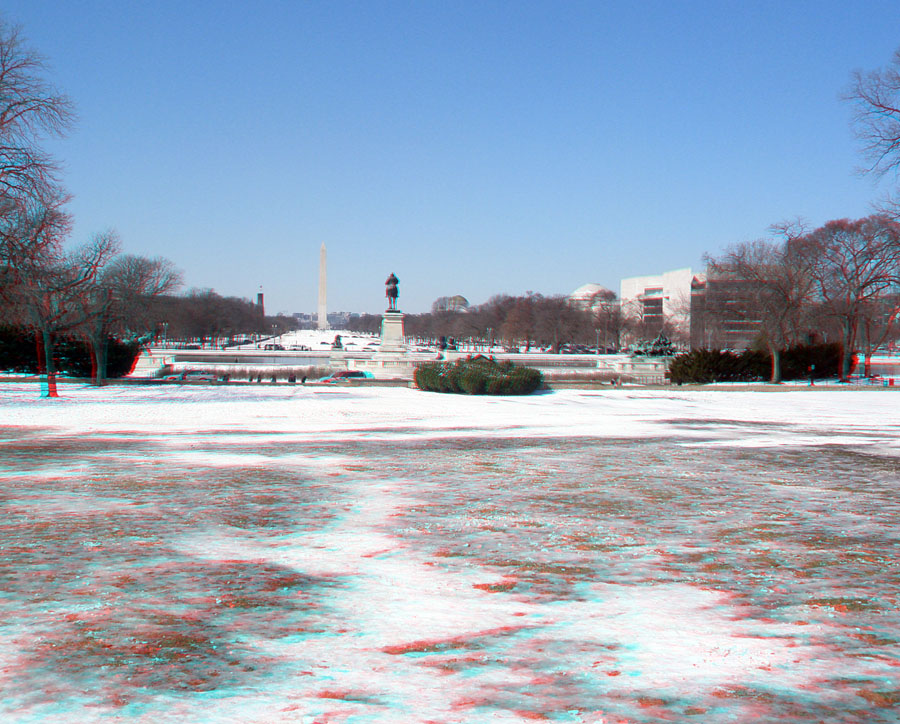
{"points": [[322, 317]]}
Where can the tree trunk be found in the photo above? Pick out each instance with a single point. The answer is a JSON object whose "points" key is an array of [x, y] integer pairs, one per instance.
{"points": [[99, 356], [46, 365], [865, 344], [776, 364], [847, 356]]}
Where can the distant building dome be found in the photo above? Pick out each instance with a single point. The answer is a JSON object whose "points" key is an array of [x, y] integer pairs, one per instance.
{"points": [[456, 303], [586, 295]]}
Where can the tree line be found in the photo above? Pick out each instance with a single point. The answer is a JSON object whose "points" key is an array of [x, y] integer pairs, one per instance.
{"points": [[528, 321], [840, 281], [842, 278], [206, 317], [92, 293]]}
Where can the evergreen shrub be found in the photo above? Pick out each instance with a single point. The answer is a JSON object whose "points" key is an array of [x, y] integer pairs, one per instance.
{"points": [[18, 353], [702, 366], [796, 361], [18, 350], [477, 376]]}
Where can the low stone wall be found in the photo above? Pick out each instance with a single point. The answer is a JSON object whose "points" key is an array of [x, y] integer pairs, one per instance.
{"points": [[387, 365], [401, 365]]}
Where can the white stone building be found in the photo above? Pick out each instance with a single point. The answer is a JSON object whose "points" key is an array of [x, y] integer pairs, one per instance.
{"points": [[658, 298]]}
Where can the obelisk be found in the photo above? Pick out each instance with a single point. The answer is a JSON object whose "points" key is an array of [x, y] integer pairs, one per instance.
{"points": [[322, 322]]}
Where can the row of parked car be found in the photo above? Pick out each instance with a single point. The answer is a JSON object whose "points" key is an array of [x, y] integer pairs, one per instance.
{"points": [[191, 376]]}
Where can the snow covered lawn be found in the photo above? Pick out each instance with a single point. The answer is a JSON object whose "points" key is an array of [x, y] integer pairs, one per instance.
{"points": [[290, 554]]}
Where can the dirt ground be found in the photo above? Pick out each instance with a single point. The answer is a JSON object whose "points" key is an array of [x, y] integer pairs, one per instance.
{"points": [[243, 578]]}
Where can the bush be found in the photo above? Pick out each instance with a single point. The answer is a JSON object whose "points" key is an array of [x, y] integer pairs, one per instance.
{"points": [[702, 366], [18, 353], [796, 361], [18, 350], [477, 376]]}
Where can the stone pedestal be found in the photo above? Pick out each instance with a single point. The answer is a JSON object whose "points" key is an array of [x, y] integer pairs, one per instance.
{"points": [[392, 333]]}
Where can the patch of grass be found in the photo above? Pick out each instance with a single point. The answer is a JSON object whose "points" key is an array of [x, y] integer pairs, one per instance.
{"points": [[881, 699], [495, 587], [842, 603]]}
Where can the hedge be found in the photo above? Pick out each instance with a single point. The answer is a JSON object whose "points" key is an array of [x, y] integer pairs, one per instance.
{"points": [[18, 353], [702, 366], [477, 376]]}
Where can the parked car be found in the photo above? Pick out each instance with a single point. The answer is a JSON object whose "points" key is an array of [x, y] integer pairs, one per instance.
{"points": [[345, 375], [191, 376]]}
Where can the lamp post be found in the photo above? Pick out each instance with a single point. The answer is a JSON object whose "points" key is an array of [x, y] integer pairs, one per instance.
{"points": [[165, 326]]}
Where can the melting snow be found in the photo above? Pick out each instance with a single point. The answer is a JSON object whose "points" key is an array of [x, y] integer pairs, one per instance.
{"points": [[238, 554]]}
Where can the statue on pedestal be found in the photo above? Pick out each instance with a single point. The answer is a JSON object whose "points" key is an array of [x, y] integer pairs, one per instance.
{"points": [[393, 344], [391, 292]]}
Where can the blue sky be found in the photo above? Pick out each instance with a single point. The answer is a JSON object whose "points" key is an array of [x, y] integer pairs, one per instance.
{"points": [[472, 148]]}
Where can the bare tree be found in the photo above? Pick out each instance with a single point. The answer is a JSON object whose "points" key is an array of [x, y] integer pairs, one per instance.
{"points": [[609, 320], [558, 322], [519, 324], [853, 264], [118, 300], [878, 323], [49, 293], [31, 236], [770, 286], [203, 315], [135, 281], [30, 110], [875, 96], [33, 224], [643, 322]]}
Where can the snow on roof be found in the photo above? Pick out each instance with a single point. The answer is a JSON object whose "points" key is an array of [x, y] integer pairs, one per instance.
{"points": [[586, 291]]}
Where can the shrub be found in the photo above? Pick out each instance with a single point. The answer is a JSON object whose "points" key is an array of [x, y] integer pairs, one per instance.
{"points": [[74, 357], [477, 376], [428, 377], [702, 366], [121, 358], [18, 350], [796, 361], [18, 353]]}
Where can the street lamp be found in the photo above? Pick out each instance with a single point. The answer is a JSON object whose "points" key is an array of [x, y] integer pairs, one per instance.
{"points": [[165, 326]]}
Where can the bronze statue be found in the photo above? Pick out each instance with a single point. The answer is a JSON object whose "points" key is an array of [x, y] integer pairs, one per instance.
{"points": [[391, 292]]}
